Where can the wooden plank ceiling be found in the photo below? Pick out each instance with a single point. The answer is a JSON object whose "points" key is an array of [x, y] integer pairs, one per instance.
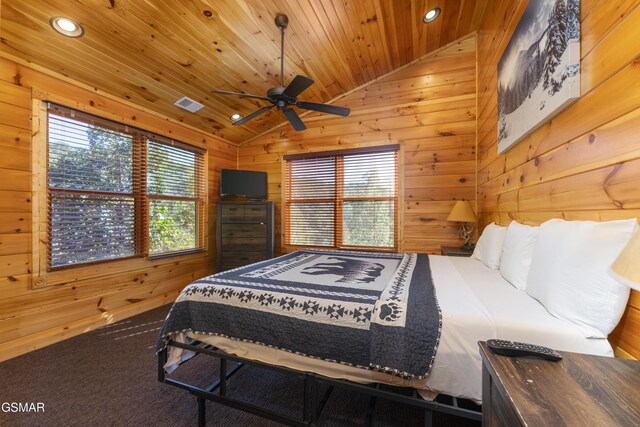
{"points": [[154, 52]]}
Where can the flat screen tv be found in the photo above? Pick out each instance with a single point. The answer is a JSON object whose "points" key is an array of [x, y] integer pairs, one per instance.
{"points": [[238, 183]]}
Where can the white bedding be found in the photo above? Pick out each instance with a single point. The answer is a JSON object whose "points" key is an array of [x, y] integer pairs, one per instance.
{"points": [[477, 304]]}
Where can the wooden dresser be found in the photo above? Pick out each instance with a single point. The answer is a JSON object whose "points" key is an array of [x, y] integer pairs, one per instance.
{"points": [[580, 390], [244, 233]]}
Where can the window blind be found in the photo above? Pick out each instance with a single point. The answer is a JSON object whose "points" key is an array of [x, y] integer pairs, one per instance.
{"points": [[92, 205], [311, 197], [116, 192], [175, 187], [343, 199]]}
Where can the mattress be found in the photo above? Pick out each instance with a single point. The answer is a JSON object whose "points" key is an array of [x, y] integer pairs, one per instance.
{"points": [[476, 303]]}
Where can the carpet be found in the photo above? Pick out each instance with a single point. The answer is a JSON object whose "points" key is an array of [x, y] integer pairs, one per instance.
{"points": [[108, 377]]}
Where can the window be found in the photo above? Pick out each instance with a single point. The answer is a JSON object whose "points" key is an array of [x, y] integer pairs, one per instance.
{"points": [[116, 192], [346, 199], [176, 208]]}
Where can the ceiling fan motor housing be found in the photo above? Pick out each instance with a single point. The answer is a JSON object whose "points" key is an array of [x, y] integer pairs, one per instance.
{"points": [[276, 95]]}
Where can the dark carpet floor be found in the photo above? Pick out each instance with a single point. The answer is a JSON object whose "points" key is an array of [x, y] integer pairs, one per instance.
{"points": [[108, 377]]}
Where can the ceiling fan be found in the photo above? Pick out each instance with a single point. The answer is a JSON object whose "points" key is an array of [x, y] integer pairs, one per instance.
{"points": [[284, 97]]}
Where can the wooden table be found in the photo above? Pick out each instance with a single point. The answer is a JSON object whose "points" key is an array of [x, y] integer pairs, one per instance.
{"points": [[456, 250], [580, 390]]}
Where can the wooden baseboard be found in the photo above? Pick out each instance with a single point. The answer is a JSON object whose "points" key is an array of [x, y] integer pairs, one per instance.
{"points": [[38, 340]]}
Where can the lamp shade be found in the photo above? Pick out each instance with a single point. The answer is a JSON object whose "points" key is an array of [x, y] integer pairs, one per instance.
{"points": [[626, 268], [462, 212]]}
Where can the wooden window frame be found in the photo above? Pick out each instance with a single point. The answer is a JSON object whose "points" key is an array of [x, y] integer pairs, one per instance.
{"points": [[340, 199], [42, 274]]}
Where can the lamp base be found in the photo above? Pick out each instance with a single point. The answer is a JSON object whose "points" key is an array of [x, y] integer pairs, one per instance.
{"points": [[466, 233]]}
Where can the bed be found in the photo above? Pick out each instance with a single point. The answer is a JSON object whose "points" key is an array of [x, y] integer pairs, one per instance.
{"points": [[474, 303]]}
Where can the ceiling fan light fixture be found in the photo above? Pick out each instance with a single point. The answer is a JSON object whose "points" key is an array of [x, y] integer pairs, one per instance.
{"points": [[431, 15], [235, 116], [67, 27]]}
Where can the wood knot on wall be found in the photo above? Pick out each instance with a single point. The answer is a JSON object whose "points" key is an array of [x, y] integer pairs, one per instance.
{"points": [[39, 94], [17, 78], [39, 282]]}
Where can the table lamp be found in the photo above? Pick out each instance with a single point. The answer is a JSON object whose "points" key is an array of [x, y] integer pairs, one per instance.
{"points": [[463, 212], [626, 268]]}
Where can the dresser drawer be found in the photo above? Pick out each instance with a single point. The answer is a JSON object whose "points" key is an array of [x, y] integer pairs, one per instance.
{"points": [[243, 231], [231, 259], [245, 244], [244, 214], [255, 213], [232, 213]]}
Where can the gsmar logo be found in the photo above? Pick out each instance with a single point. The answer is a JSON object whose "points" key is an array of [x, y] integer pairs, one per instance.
{"points": [[22, 407]]}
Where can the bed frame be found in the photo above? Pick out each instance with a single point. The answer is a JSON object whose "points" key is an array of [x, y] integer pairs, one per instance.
{"points": [[317, 390]]}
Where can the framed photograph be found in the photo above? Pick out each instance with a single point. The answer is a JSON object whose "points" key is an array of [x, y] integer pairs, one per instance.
{"points": [[539, 71]]}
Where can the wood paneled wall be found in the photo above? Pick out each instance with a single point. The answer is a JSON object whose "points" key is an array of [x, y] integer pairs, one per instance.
{"points": [[585, 162], [32, 318], [428, 107]]}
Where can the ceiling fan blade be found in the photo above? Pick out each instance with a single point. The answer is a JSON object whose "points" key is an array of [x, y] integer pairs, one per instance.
{"points": [[242, 95], [297, 86], [253, 115], [294, 119], [324, 108]]}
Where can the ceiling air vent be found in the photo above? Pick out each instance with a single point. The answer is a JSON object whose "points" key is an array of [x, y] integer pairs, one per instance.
{"points": [[189, 104]]}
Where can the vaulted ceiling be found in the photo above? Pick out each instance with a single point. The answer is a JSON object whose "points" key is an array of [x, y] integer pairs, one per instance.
{"points": [[155, 52]]}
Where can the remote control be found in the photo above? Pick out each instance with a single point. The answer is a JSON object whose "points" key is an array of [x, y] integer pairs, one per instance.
{"points": [[516, 349]]}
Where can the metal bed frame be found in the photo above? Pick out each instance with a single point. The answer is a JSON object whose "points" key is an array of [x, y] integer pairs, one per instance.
{"points": [[313, 398]]}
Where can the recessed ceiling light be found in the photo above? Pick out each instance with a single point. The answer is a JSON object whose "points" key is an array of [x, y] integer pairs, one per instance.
{"points": [[431, 15], [235, 116], [66, 26]]}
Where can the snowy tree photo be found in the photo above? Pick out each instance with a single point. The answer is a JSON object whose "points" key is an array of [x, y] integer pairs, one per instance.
{"points": [[539, 72]]}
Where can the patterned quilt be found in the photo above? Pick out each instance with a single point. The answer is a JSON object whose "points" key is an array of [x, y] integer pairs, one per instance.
{"points": [[373, 311]]}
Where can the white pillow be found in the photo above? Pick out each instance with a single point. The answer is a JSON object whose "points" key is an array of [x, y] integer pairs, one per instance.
{"points": [[569, 272], [517, 252], [489, 247]]}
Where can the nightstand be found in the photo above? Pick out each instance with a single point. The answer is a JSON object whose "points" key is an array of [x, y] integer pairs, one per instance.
{"points": [[456, 251], [580, 390]]}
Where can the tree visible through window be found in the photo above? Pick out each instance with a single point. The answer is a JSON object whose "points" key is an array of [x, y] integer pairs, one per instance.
{"points": [[116, 192], [344, 199], [172, 187]]}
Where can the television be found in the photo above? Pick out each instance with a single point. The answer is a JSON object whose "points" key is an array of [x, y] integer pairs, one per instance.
{"points": [[239, 183]]}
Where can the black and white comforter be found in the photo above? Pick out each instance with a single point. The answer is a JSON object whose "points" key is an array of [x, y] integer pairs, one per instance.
{"points": [[369, 310]]}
